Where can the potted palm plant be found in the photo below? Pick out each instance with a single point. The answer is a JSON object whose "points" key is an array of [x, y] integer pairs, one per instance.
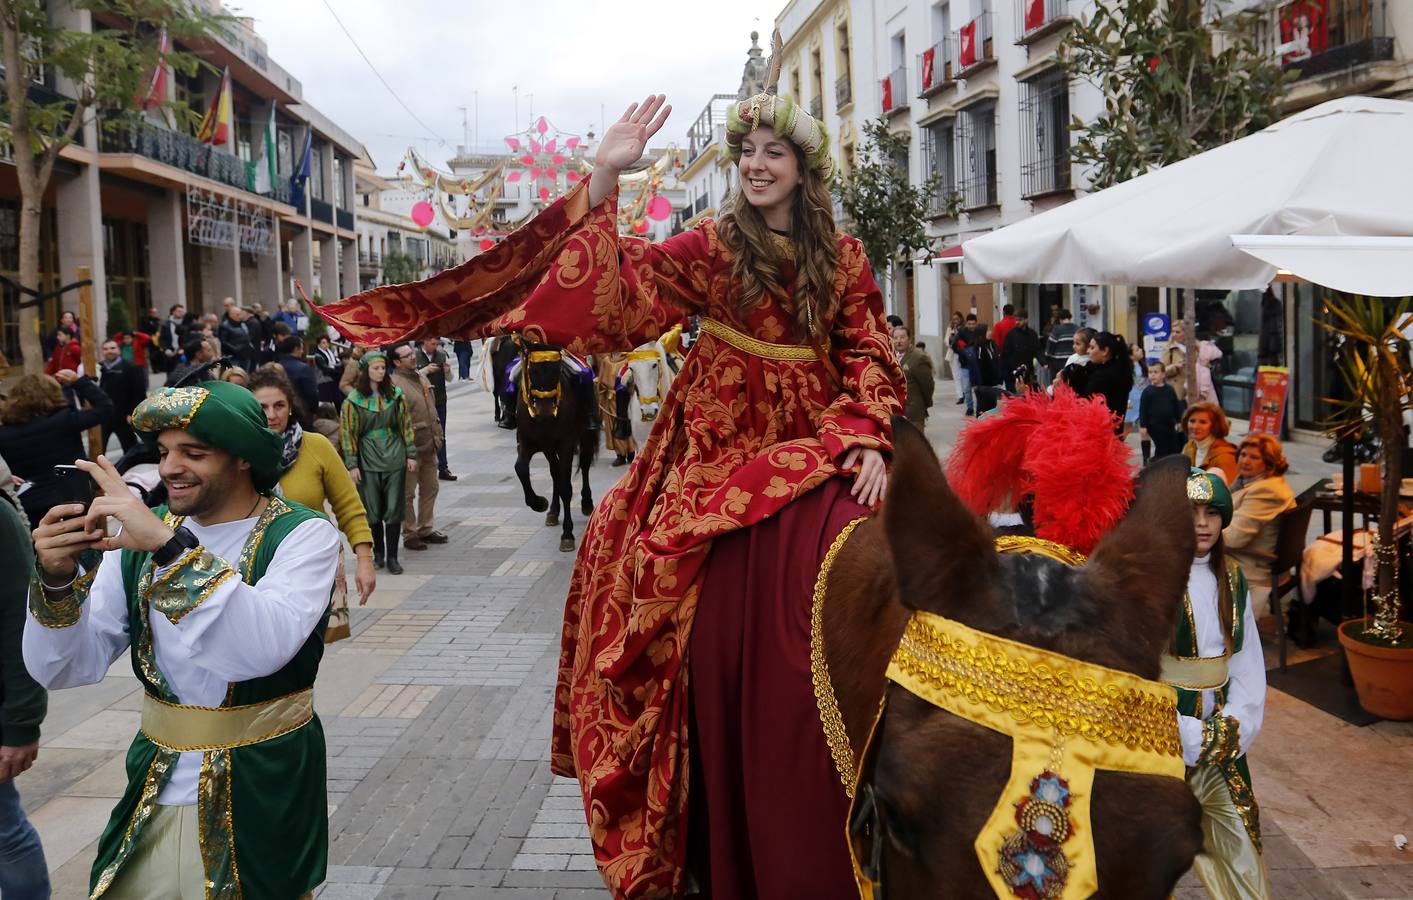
{"points": [[1373, 360]]}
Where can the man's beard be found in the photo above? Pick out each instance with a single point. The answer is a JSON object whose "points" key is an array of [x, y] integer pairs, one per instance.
{"points": [[207, 499]]}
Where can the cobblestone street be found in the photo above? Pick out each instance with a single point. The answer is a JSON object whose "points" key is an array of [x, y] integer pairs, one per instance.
{"points": [[437, 712]]}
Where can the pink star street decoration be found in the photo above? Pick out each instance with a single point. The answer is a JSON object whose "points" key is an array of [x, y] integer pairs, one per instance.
{"points": [[542, 154]]}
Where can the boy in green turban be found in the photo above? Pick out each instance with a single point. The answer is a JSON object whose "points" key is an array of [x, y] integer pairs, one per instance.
{"points": [[221, 598]]}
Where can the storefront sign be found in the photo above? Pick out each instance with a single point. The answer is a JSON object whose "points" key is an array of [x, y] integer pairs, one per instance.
{"points": [[218, 220], [1268, 405], [1156, 331]]}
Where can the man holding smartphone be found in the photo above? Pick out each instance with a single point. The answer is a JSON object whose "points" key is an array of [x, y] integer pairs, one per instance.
{"points": [[223, 599]]}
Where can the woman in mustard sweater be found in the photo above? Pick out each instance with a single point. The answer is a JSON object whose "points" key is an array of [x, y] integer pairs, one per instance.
{"points": [[314, 473]]}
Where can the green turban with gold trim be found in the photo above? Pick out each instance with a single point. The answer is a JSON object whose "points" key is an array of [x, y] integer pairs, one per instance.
{"points": [[1204, 488], [222, 414]]}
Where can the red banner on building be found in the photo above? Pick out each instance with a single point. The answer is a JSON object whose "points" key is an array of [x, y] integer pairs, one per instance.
{"points": [[887, 94], [1268, 405], [927, 57], [1305, 29], [1034, 14], [967, 56]]}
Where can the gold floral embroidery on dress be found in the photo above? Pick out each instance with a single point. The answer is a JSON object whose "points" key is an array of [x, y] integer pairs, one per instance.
{"points": [[217, 831], [157, 775], [169, 408], [63, 610]]}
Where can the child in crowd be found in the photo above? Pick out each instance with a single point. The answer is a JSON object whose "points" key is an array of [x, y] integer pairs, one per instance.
{"points": [[1082, 339], [1140, 381], [1215, 663], [1158, 414]]}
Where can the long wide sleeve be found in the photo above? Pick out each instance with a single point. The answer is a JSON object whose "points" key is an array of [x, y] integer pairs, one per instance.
{"points": [[348, 434], [1246, 692], [873, 388], [72, 642], [342, 494], [565, 278], [236, 631]]}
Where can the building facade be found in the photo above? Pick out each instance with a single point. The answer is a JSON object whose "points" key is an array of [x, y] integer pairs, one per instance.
{"points": [[161, 218], [385, 224]]}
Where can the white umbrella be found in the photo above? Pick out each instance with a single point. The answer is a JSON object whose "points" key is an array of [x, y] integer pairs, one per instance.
{"points": [[1339, 169]]}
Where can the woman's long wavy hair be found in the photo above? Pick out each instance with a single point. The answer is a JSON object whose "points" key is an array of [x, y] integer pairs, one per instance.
{"points": [[32, 397], [756, 263]]}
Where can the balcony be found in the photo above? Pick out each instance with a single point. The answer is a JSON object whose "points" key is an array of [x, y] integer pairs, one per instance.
{"points": [[894, 90], [1333, 37], [320, 210], [936, 66], [843, 92], [1037, 19], [369, 262], [975, 46], [817, 107], [709, 127], [343, 218], [172, 148]]}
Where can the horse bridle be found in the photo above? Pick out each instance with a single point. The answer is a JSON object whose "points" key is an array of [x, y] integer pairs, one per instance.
{"points": [[647, 356], [532, 394]]}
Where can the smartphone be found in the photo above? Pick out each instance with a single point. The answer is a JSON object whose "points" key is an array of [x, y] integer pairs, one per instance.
{"points": [[76, 485]]}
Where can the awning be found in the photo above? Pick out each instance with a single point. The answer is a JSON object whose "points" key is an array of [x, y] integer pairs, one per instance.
{"points": [[1355, 264]]}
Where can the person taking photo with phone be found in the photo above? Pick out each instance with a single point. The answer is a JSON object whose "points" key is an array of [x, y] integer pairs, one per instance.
{"points": [[38, 428], [222, 597]]}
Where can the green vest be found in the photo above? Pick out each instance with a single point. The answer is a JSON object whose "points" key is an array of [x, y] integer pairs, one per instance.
{"points": [[262, 808]]}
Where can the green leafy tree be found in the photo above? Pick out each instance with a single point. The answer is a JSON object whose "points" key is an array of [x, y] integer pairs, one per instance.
{"points": [[118, 318], [1175, 83], [400, 267], [886, 211], [318, 328], [109, 67]]}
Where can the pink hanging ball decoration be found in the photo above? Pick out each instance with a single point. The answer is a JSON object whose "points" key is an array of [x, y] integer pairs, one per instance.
{"points": [[659, 208], [640, 226], [422, 214], [572, 176], [544, 193], [487, 244]]}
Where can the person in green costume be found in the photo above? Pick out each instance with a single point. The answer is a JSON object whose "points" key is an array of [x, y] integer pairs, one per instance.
{"points": [[1216, 665], [221, 600], [376, 436]]}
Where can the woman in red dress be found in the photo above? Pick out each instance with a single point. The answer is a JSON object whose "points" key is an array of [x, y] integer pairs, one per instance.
{"points": [[792, 382]]}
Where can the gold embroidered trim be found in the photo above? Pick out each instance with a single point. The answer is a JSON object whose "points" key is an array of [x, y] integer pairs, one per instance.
{"points": [[1244, 799], [188, 584], [784, 247], [1019, 543], [215, 829], [544, 356], [1221, 740], [157, 774], [756, 347], [62, 611], [1199, 673], [832, 721], [641, 356], [1036, 687]]}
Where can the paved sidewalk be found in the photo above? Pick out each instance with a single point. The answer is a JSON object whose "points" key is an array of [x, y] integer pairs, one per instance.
{"points": [[437, 712]]}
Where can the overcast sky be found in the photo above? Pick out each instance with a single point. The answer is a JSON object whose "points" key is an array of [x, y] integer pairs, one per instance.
{"points": [[568, 60]]}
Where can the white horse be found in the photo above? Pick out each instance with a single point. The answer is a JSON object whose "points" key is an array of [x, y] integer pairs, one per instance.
{"points": [[646, 377]]}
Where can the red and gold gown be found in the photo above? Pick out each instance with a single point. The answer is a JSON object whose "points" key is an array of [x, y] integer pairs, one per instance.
{"points": [[751, 423]]}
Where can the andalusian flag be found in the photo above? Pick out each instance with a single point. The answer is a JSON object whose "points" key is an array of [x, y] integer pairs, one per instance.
{"points": [[265, 167], [217, 127]]}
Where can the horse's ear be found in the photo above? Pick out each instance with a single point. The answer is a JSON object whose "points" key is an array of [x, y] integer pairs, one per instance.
{"points": [[941, 550], [1141, 566]]}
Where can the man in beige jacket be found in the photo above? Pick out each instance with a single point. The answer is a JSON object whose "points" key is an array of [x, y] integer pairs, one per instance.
{"points": [[420, 488]]}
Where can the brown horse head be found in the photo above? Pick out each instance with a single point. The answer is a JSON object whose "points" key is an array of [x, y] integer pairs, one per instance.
{"points": [[936, 777]]}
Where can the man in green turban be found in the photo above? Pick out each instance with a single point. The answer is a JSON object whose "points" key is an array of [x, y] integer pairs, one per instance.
{"points": [[221, 598]]}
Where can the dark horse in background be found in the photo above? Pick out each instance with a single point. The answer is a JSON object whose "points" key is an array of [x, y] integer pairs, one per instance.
{"points": [[551, 417], [936, 777], [501, 354]]}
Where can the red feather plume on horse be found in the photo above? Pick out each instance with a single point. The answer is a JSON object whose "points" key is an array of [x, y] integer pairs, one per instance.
{"points": [[1061, 452]]}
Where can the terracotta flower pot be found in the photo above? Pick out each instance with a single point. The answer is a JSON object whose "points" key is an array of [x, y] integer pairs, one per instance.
{"points": [[1383, 676]]}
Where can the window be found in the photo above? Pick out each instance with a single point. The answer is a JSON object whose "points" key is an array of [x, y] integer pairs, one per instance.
{"points": [[976, 151], [1045, 145], [816, 84], [843, 87], [939, 157]]}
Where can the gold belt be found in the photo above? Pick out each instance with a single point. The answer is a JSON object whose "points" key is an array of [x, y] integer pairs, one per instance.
{"points": [[1198, 673], [756, 347], [186, 728]]}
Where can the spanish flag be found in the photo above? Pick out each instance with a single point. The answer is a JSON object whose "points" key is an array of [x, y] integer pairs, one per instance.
{"points": [[216, 126]]}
